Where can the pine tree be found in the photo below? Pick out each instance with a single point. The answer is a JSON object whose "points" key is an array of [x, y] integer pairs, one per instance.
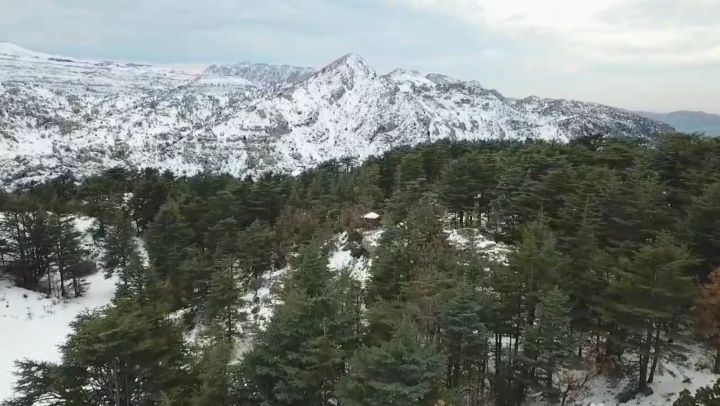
{"points": [[137, 281], [465, 186], [149, 192], [302, 354], [538, 262], [225, 297], [704, 396], [39, 382], [214, 374], [410, 270], [708, 314], [256, 245], [126, 355], [119, 245], [586, 274], [634, 209], [650, 292], [466, 333], [4, 252], [703, 224], [168, 244], [68, 256], [403, 371], [549, 345], [14, 225]]}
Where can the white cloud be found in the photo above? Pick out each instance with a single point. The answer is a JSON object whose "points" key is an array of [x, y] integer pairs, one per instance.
{"points": [[664, 32]]}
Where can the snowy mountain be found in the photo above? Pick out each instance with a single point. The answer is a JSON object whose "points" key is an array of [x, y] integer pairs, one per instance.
{"points": [[60, 114], [260, 74]]}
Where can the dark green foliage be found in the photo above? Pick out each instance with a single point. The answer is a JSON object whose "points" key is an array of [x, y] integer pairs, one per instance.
{"points": [[67, 254], [119, 245], [46, 246], [257, 245], [403, 371], [46, 383], [703, 224], [214, 375], [134, 344], [465, 325], [466, 186], [137, 281], [149, 192], [705, 396], [588, 228], [127, 354], [302, 355], [168, 243], [650, 293], [537, 262], [224, 299], [550, 345]]}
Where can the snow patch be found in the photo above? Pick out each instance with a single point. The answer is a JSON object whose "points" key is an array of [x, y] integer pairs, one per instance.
{"points": [[691, 374], [473, 239], [33, 325]]}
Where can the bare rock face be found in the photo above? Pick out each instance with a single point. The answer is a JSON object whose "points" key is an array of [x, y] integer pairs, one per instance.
{"points": [[60, 115]]}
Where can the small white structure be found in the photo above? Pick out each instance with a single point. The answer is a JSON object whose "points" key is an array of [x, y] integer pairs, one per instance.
{"points": [[371, 220], [371, 216]]}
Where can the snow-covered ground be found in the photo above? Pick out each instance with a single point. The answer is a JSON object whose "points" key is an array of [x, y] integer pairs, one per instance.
{"points": [[691, 374], [33, 326], [473, 239], [340, 258]]}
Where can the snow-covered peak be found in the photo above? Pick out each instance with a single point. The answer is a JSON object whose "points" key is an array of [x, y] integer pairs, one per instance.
{"points": [[12, 49], [409, 76], [441, 79], [351, 65], [261, 74]]}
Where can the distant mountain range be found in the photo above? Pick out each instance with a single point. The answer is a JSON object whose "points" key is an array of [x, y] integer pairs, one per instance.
{"points": [[61, 114], [688, 121]]}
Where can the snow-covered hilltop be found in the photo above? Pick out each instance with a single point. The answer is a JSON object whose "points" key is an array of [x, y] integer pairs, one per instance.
{"points": [[60, 114]]}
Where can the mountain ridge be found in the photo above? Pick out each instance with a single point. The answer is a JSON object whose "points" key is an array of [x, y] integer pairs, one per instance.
{"points": [[688, 121], [60, 115]]}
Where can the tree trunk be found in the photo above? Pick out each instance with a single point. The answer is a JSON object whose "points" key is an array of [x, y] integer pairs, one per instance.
{"points": [[116, 383], [656, 355], [49, 276], [716, 366], [62, 286], [498, 353], [644, 359], [642, 379], [61, 272]]}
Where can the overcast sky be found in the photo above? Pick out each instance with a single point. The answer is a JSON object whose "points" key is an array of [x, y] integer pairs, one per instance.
{"points": [[657, 55]]}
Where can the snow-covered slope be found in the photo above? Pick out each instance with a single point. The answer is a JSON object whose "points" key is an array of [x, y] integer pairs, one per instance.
{"points": [[33, 326], [691, 374], [61, 114], [260, 74]]}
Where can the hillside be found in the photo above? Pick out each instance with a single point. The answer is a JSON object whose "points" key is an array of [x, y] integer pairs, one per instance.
{"points": [[535, 273], [34, 325]]}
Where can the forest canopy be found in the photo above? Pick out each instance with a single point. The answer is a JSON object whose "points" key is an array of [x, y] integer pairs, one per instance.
{"points": [[612, 244]]}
